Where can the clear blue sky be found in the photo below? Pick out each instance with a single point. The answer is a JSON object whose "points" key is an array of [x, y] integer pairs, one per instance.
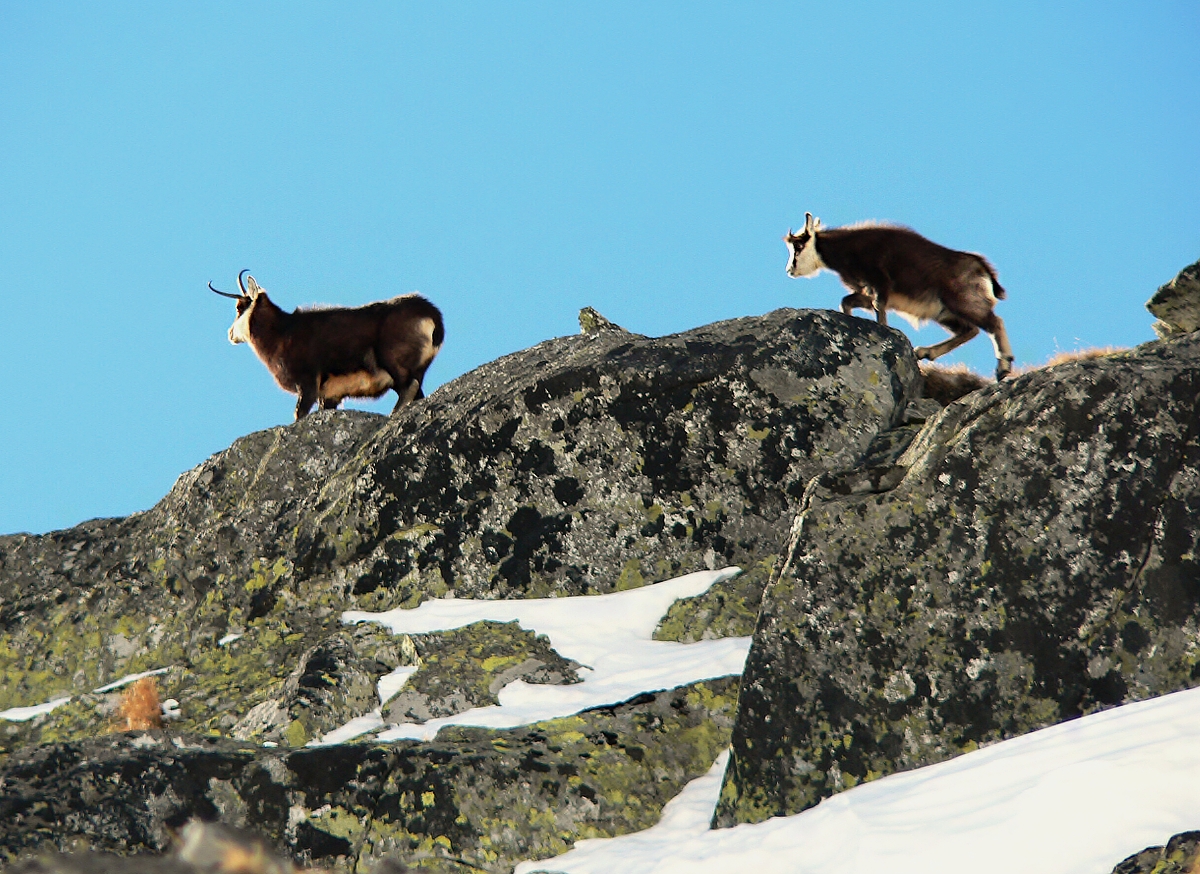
{"points": [[516, 161]]}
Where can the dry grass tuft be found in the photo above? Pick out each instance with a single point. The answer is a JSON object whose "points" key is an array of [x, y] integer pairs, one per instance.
{"points": [[1073, 355], [946, 383], [140, 708]]}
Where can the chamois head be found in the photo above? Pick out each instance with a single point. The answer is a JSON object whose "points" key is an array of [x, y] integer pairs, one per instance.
{"points": [[239, 331], [803, 259]]}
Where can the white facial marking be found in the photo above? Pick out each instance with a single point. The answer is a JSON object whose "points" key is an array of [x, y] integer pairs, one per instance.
{"points": [[239, 331], [805, 261]]}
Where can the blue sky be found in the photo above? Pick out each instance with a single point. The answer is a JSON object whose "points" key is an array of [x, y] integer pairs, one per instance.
{"points": [[515, 162]]}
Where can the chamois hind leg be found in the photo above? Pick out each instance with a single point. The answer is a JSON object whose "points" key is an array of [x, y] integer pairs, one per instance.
{"points": [[308, 397], [324, 401], [962, 331], [994, 325], [405, 382], [408, 394]]}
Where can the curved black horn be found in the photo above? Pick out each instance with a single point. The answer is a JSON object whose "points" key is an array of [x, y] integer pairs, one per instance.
{"points": [[240, 285], [222, 293]]}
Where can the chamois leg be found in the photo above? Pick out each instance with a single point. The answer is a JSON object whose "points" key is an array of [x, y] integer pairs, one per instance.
{"points": [[405, 382], [962, 332], [858, 300], [881, 301], [994, 325], [308, 397], [408, 394]]}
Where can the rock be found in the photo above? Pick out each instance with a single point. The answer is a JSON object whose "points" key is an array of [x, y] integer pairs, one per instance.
{"points": [[201, 848], [490, 798], [1181, 855], [602, 461], [1033, 556], [727, 609], [1177, 304], [591, 322], [467, 667], [586, 464], [334, 681]]}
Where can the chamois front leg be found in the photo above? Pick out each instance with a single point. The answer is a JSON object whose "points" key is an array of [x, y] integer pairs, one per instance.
{"points": [[858, 300], [881, 301]]}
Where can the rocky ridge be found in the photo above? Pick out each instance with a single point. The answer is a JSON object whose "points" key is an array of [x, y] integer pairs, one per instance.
{"points": [[929, 580]]}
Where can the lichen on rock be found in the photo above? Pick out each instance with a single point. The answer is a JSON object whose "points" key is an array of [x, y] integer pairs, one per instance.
{"points": [[1035, 560], [467, 667]]}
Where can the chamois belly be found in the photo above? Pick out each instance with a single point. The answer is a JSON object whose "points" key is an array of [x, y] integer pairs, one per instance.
{"points": [[358, 384], [917, 310]]}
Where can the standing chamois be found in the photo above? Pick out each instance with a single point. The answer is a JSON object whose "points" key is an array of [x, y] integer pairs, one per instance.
{"points": [[327, 354], [894, 268]]}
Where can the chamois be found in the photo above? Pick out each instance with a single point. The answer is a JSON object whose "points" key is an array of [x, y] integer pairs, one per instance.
{"points": [[327, 354], [895, 268]]}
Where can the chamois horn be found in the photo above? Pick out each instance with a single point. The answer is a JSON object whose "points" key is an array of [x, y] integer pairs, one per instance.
{"points": [[222, 293], [240, 285]]}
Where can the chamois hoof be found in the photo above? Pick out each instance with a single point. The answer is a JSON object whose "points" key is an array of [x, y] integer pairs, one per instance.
{"points": [[922, 353], [1003, 368]]}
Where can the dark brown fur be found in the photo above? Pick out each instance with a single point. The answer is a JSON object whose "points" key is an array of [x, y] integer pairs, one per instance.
{"points": [[325, 355], [887, 267]]}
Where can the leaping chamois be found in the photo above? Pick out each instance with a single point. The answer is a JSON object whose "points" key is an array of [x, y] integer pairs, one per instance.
{"points": [[895, 268], [327, 354]]}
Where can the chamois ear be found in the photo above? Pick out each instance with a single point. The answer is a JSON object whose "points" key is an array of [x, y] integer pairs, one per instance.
{"points": [[252, 288], [811, 225]]}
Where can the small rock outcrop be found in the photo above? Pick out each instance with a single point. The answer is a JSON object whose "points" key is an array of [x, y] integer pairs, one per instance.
{"points": [[1177, 304], [1181, 855]]}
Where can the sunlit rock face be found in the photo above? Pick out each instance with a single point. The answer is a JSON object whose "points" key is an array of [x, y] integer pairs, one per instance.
{"points": [[1036, 558], [606, 460]]}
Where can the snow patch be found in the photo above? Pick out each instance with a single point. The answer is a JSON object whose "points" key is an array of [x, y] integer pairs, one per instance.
{"points": [[610, 635], [1075, 798], [23, 714]]}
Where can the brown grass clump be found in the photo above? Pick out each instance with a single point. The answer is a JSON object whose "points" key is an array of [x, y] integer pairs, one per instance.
{"points": [[946, 383], [140, 708], [1083, 354], [1073, 355]]}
